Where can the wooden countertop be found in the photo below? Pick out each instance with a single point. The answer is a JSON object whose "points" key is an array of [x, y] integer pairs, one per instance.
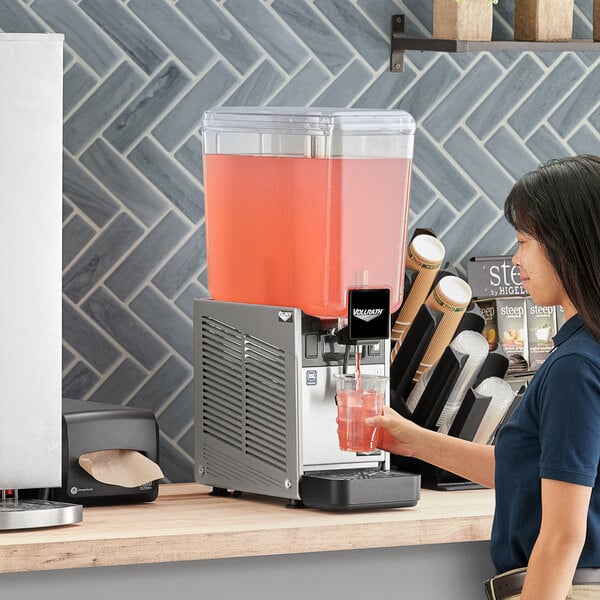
{"points": [[186, 523]]}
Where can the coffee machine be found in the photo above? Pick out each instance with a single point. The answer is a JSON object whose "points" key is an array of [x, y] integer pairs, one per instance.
{"points": [[306, 216]]}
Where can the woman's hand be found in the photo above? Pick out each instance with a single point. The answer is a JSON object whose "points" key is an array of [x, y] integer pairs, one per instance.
{"points": [[397, 434]]}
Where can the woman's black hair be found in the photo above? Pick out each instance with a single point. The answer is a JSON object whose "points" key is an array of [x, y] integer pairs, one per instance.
{"points": [[558, 204]]}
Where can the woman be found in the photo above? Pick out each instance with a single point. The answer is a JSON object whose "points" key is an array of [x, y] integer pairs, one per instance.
{"points": [[545, 463]]}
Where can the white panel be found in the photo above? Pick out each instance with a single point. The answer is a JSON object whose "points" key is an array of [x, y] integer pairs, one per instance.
{"points": [[30, 259]]}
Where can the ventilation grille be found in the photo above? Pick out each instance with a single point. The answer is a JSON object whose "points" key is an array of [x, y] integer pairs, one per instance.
{"points": [[222, 382], [243, 392], [264, 378]]}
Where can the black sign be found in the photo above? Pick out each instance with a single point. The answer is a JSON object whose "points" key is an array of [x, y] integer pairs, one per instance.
{"points": [[369, 314], [494, 277]]}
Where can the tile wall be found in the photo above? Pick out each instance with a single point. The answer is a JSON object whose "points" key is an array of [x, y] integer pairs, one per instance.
{"points": [[138, 75]]}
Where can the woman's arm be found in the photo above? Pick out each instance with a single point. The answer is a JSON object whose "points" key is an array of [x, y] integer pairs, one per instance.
{"points": [[466, 459], [560, 541]]}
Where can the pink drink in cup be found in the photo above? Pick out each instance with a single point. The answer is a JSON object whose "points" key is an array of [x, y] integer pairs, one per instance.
{"points": [[354, 406]]}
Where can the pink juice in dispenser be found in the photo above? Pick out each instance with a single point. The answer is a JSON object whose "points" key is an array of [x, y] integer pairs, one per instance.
{"points": [[288, 229]]}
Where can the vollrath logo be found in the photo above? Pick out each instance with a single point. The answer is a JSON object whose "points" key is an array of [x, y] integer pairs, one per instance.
{"points": [[285, 315], [367, 314]]}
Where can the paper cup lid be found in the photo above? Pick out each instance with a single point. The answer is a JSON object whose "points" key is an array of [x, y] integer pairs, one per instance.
{"points": [[428, 248], [454, 290]]}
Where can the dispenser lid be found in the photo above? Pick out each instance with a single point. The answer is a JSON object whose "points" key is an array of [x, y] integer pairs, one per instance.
{"points": [[311, 120], [308, 131]]}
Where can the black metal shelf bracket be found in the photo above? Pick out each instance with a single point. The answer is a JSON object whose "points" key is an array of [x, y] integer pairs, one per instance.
{"points": [[397, 50]]}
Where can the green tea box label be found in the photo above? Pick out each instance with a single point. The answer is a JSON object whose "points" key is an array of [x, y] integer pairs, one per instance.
{"points": [[541, 327]]}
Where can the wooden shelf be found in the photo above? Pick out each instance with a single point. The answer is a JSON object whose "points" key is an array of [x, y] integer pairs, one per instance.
{"points": [[399, 44]]}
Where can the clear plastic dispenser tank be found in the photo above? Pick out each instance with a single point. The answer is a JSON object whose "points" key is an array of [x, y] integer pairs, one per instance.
{"points": [[304, 203]]}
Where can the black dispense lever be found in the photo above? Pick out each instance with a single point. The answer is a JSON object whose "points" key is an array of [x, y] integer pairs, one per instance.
{"points": [[368, 317]]}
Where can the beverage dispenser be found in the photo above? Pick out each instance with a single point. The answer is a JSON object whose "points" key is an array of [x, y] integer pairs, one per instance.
{"points": [[306, 219]]}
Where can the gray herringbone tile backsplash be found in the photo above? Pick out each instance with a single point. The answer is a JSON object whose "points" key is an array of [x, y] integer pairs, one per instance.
{"points": [[139, 73]]}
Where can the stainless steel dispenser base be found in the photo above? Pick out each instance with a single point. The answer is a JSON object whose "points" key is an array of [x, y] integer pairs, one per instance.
{"points": [[28, 514]]}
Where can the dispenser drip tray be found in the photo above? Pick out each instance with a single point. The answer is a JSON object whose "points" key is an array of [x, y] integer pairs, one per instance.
{"points": [[360, 489], [28, 514]]}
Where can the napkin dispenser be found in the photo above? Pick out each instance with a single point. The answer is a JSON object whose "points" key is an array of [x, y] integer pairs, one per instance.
{"points": [[90, 427]]}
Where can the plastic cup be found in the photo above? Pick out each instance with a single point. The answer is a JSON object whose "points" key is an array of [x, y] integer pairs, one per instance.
{"points": [[354, 405]]}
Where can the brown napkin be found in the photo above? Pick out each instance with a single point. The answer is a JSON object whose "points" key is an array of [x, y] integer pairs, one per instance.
{"points": [[127, 468]]}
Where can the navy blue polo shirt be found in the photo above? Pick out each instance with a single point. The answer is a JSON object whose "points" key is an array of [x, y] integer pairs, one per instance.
{"points": [[554, 433]]}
